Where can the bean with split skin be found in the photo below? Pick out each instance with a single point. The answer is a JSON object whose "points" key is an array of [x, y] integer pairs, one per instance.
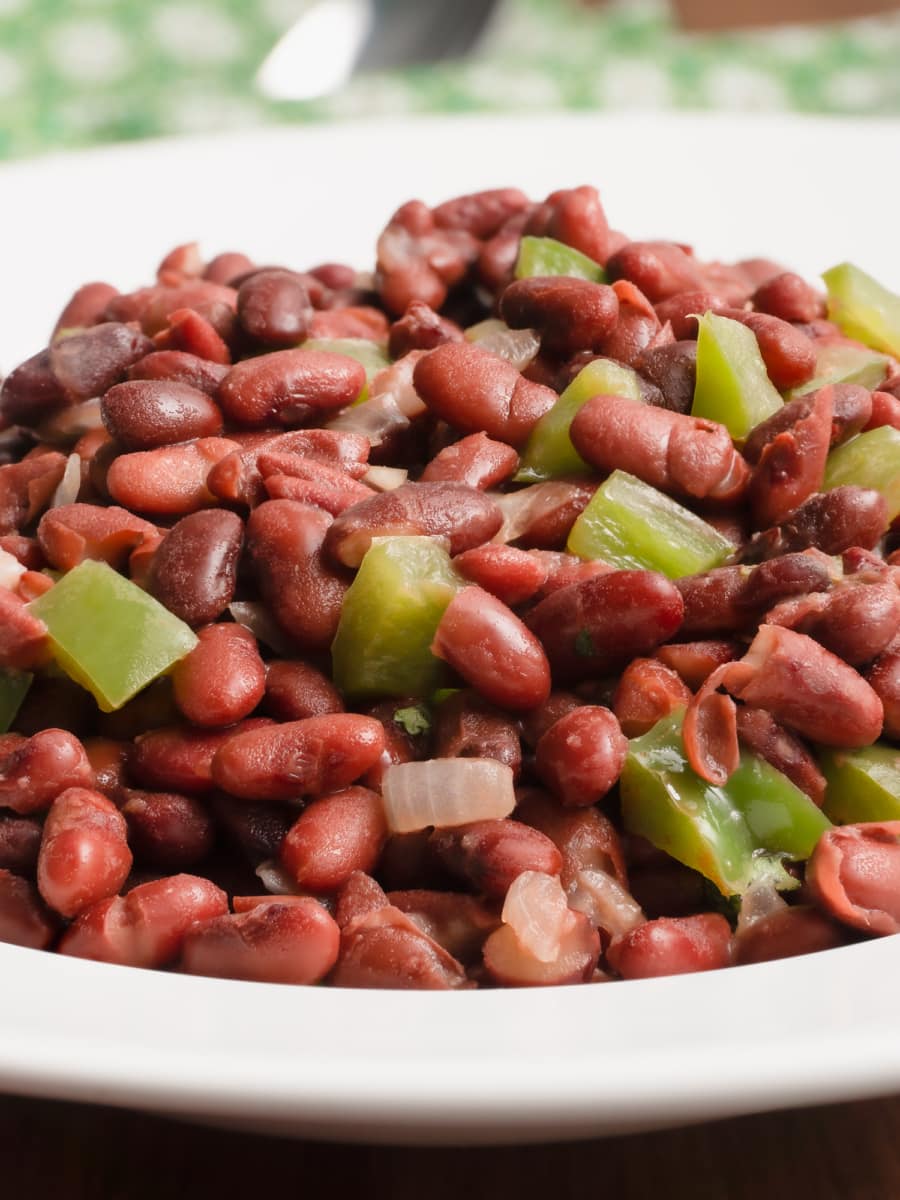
{"points": [[476, 461], [854, 875], [385, 948], [646, 692], [223, 678], [84, 854]]}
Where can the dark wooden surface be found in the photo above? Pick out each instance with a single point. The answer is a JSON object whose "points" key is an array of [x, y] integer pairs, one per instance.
{"points": [[72, 1152]]}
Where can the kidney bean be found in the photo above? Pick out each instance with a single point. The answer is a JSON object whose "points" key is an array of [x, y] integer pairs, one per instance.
{"points": [[108, 757], [884, 677], [223, 678], [672, 368], [196, 294], [264, 389], [84, 855], [237, 477], [683, 455], [178, 366], [35, 770], [333, 837], [465, 516], [274, 308], [285, 541], [857, 622], [385, 948], [23, 637], [536, 722], [71, 533], [497, 255], [167, 830], [147, 927], [761, 734], [280, 762], [885, 411], [489, 855], [274, 943], [359, 896], [33, 584], [20, 840], [789, 297], [86, 364], [512, 576], [129, 307], [788, 353], [585, 837], [416, 260], [227, 267], [257, 830], [637, 326], [168, 481], [693, 661], [25, 550], [672, 946], [486, 643], [575, 217], [194, 569], [421, 328], [476, 461], [30, 392], [646, 692], [178, 758], [565, 569], [480, 213], [479, 392], [787, 932], [667, 889], [466, 726], [458, 923], [682, 309], [145, 413], [295, 690], [854, 875], [581, 756], [659, 269], [181, 264], [24, 918], [591, 628], [836, 520], [569, 314], [204, 336], [542, 515], [350, 321], [289, 477], [509, 964], [26, 489], [86, 307], [791, 466]]}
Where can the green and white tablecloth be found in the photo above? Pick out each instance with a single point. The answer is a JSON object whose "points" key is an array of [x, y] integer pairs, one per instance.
{"points": [[80, 72]]}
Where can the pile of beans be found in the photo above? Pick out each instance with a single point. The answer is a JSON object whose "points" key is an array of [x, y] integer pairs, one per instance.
{"points": [[229, 819]]}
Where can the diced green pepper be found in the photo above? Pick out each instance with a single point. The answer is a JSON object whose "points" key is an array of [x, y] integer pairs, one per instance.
{"points": [[549, 453], [870, 460], [389, 617], [863, 308], [732, 384], [735, 835], [372, 355], [863, 785], [547, 256], [839, 363], [630, 524], [14, 687], [108, 635]]}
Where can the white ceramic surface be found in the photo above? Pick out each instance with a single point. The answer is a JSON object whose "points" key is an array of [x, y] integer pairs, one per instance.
{"points": [[484, 1066]]}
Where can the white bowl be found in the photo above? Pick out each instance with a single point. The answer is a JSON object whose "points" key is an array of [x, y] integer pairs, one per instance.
{"points": [[484, 1066]]}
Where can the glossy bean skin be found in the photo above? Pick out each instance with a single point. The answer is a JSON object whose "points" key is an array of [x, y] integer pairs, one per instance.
{"points": [[263, 390], [789, 297], [855, 621], [672, 946], [541, 516], [24, 918], [88, 363], [169, 481], [854, 875], [581, 756], [788, 353], [146, 927], [671, 367], [274, 943], [885, 411], [884, 678], [762, 734], [237, 478], [575, 217], [289, 477], [35, 770], [569, 314], [178, 366], [84, 854], [20, 841], [223, 678], [194, 568], [683, 455], [486, 643], [480, 213], [693, 661], [178, 758], [274, 308], [476, 461], [417, 260], [681, 310], [659, 269], [333, 837], [646, 692], [143, 414], [295, 690], [489, 855], [285, 541], [30, 393], [385, 948], [281, 762], [592, 628], [199, 295], [466, 726], [86, 307], [165, 830], [511, 575], [464, 515], [478, 392], [786, 933], [71, 533]]}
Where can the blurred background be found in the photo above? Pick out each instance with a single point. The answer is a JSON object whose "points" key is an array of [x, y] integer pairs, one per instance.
{"points": [[84, 72]]}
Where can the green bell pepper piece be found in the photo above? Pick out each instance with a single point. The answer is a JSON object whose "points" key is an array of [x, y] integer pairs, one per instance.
{"points": [[372, 355], [390, 613], [732, 384], [735, 835], [108, 635], [863, 308], [14, 687], [549, 453], [547, 256], [630, 524], [836, 363], [870, 460], [863, 785]]}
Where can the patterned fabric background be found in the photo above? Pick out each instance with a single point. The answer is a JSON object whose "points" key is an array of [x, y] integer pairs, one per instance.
{"points": [[79, 72]]}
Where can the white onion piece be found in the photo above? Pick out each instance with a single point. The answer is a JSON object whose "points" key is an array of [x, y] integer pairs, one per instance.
{"points": [[445, 792], [397, 381], [517, 346], [70, 484], [254, 615], [605, 903], [759, 901], [11, 571], [385, 479], [376, 419], [535, 908], [275, 879], [69, 424], [521, 508]]}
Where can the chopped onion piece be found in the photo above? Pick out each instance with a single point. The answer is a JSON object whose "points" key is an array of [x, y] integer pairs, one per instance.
{"points": [[397, 381], [536, 910], [446, 791], [275, 879], [70, 484], [517, 346], [605, 903], [69, 424], [376, 419], [254, 615], [385, 479], [759, 901], [11, 570], [521, 509]]}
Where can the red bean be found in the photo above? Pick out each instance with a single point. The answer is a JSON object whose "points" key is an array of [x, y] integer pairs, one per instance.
{"points": [[855, 621], [274, 308], [274, 943], [791, 467], [672, 946], [512, 575], [788, 932], [23, 636], [758, 730], [575, 217], [35, 770], [204, 336], [295, 690], [280, 762], [24, 918], [226, 268], [489, 855], [20, 841], [659, 269], [166, 830], [223, 678], [178, 366], [581, 756], [788, 353], [418, 261], [194, 569], [884, 677], [71, 533], [486, 643], [542, 515], [197, 294], [290, 477], [646, 692], [476, 461], [333, 837], [466, 726], [458, 923], [358, 897], [683, 308], [671, 367], [386, 949], [169, 481], [257, 830], [237, 477], [179, 758], [833, 522], [26, 488], [421, 328], [86, 307], [885, 411], [145, 413], [789, 297], [261, 390], [88, 363], [30, 392], [854, 875], [480, 213], [569, 314], [84, 853]]}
